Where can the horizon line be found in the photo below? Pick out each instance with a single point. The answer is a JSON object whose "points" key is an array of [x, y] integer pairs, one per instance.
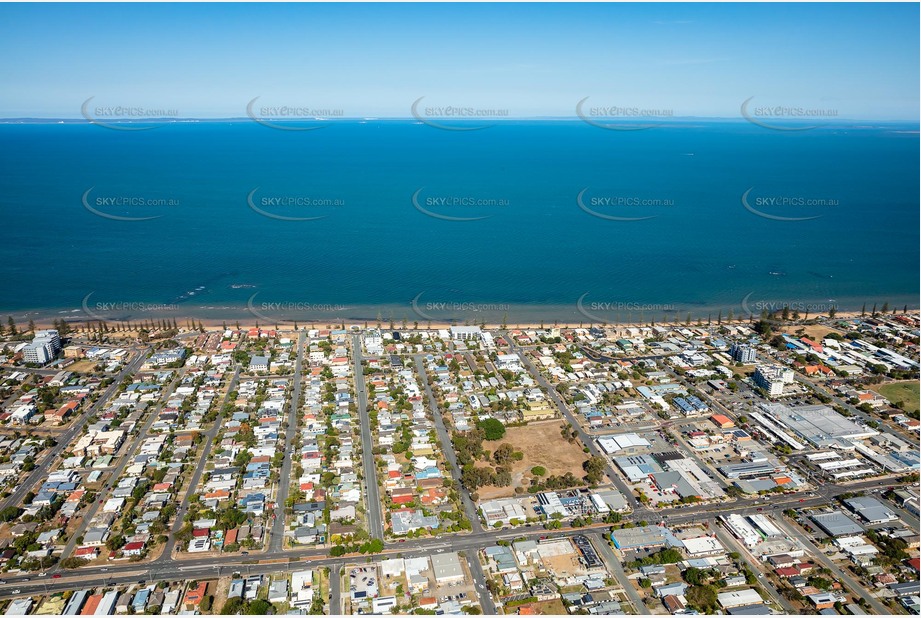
{"points": [[644, 120]]}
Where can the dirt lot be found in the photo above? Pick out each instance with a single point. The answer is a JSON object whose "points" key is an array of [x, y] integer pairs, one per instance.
{"points": [[83, 366], [816, 332], [542, 445], [549, 608]]}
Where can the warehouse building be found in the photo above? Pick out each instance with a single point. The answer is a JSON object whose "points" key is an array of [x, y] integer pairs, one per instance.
{"points": [[836, 524]]}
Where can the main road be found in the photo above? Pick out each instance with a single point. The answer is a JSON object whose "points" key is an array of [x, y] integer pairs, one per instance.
{"points": [[274, 562], [372, 489], [479, 582], [277, 534]]}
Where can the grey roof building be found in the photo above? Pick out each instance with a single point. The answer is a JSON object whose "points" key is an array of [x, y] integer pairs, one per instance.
{"points": [[836, 524], [870, 510], [447, 567]]}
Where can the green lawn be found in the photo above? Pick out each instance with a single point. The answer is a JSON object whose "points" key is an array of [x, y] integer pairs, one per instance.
{"points": [[906, 392]]}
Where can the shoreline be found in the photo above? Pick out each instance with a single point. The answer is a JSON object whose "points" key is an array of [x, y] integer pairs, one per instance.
{"points": [[210, 323]]}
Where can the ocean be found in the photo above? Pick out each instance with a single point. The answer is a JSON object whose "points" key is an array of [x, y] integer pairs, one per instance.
{"points": [[524, 221]]}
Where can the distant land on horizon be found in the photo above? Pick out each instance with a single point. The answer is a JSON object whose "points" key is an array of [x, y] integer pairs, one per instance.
{"points": [[820, 122]]}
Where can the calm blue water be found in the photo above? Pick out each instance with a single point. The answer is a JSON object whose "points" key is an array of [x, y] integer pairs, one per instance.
{"points": [[538, 253]]}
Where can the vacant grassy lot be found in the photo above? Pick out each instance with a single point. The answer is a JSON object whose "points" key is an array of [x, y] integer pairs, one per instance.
{"points": [[550, 608], [816, 332], [906, 392], [83, 366], [542, 445]]}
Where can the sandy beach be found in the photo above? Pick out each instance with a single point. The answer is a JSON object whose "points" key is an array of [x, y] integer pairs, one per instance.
{"points": [[251, 322]]}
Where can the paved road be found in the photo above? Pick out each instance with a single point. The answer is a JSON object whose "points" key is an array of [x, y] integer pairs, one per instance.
{"points": [[446, 447], [63, 440], [335, 589], [479, 581], [827, 562], [134, 445], [195, 567], [277, 534], [372, 489], [730, 543], [583, 436], [192, 487], [615, 566]]}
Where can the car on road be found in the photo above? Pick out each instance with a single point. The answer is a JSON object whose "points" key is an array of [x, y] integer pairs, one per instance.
{"points": [[245, 553], [56, 576], [802, 499], [17, 591]]}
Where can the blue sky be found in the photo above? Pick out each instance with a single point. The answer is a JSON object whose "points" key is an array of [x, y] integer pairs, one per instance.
{"points": [[208, 60]]}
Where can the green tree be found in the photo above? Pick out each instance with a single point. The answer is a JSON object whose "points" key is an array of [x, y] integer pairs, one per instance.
{"points": [[10, 513], [594, 469], [702, 598], [259, 607], [492, 428], [503, 454], [232, 606]]}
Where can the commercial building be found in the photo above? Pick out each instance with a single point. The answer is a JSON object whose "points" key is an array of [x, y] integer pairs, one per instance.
{"points": [[870, 510], [836, 524], [722, 421], [641, 537], [502, 511], [447, 568], [741, 529], [739, 598], [819, 425], [613, 444]]}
